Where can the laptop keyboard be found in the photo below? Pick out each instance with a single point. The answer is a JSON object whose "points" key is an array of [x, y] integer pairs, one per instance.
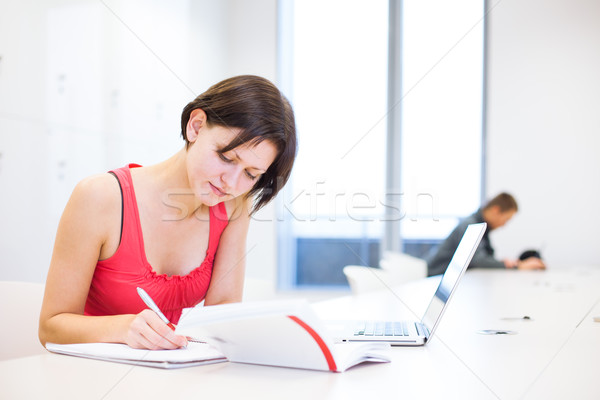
{"points": [[383, 328]]}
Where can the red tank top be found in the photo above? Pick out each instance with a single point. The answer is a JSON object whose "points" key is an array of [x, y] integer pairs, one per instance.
{"points": [[113, 288]]}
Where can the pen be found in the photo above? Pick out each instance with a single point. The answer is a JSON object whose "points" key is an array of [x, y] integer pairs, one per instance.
{"points": [[150, 303]]}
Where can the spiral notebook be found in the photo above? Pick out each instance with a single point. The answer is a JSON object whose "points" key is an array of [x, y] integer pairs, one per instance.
{"points": [[194, 354]]}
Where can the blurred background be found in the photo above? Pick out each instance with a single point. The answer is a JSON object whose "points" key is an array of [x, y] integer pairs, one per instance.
{"points": [[410, 114]]}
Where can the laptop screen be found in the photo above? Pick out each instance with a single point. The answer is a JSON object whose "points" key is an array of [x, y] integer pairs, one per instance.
{"points": [[456, 268]]}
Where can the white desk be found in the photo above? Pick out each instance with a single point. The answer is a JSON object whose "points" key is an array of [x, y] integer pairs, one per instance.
{"points": [[555, 355], [511, 365], [576, 364]]}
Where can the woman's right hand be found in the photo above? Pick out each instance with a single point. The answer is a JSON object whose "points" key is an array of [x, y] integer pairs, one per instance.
{"points": [[148, 331]]}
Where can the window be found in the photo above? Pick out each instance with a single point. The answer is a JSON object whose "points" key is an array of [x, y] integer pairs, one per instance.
{"points": [[441, 127], [335, 70]]}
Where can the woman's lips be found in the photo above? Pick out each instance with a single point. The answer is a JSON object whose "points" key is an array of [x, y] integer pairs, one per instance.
{"points": [[217, 191]]}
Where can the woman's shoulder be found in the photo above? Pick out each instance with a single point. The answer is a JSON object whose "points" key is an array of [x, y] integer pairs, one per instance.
{"points": [[93, 209], [99, 191]]}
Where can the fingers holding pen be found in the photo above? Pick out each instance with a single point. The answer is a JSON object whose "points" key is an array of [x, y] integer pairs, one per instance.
{"points": [[148, 331]]}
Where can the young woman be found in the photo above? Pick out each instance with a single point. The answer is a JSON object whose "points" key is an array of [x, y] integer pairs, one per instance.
{"points": [[177, 229]]}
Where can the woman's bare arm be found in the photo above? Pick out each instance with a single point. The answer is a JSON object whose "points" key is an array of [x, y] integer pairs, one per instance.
{"points": [[86, 230], [227, 282]]}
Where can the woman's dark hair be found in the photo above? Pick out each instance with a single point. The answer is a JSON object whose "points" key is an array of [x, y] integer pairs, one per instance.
{"points": [[260, 111]]}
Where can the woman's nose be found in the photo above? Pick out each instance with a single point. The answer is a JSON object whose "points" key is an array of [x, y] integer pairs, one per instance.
{"points": [[231, 178]]}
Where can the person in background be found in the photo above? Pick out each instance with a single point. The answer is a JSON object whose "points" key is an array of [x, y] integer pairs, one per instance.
{"points": [[176, 229], [496, 213]]}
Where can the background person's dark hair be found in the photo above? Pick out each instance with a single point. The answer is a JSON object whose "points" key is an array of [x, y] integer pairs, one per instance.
{"points": [[261, 112], [504, 201]]}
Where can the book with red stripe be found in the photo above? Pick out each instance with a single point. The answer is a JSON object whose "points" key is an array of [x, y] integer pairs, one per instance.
{"points": [[277, 333]]}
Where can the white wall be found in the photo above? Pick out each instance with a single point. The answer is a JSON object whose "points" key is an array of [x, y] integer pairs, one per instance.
{"points": [[87, 86], [544, 126]]}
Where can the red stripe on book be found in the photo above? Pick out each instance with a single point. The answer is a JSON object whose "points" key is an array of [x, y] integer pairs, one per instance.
{"points": [[319, 340]]}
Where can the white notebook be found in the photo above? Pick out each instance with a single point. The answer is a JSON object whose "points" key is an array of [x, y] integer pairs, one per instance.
{"points": [[194, 354]]}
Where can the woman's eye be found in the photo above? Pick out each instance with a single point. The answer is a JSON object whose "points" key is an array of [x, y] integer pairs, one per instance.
{"points": [[222, 157], [253, 177]]}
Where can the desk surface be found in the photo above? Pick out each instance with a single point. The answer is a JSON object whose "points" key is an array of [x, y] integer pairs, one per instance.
{"points": [[554, 355]]}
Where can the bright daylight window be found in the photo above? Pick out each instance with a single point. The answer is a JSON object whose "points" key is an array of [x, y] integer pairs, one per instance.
{"points": [[334, 69], [442, 109]]}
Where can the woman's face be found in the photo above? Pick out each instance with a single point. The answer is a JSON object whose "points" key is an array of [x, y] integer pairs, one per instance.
{"points": [[214, 176]]}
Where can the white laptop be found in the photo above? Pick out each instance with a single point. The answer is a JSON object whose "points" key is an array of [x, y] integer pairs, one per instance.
{"points": [[416, 333]]}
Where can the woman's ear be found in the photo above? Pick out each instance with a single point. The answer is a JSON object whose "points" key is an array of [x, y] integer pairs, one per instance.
{"points": [[196, 122]]}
